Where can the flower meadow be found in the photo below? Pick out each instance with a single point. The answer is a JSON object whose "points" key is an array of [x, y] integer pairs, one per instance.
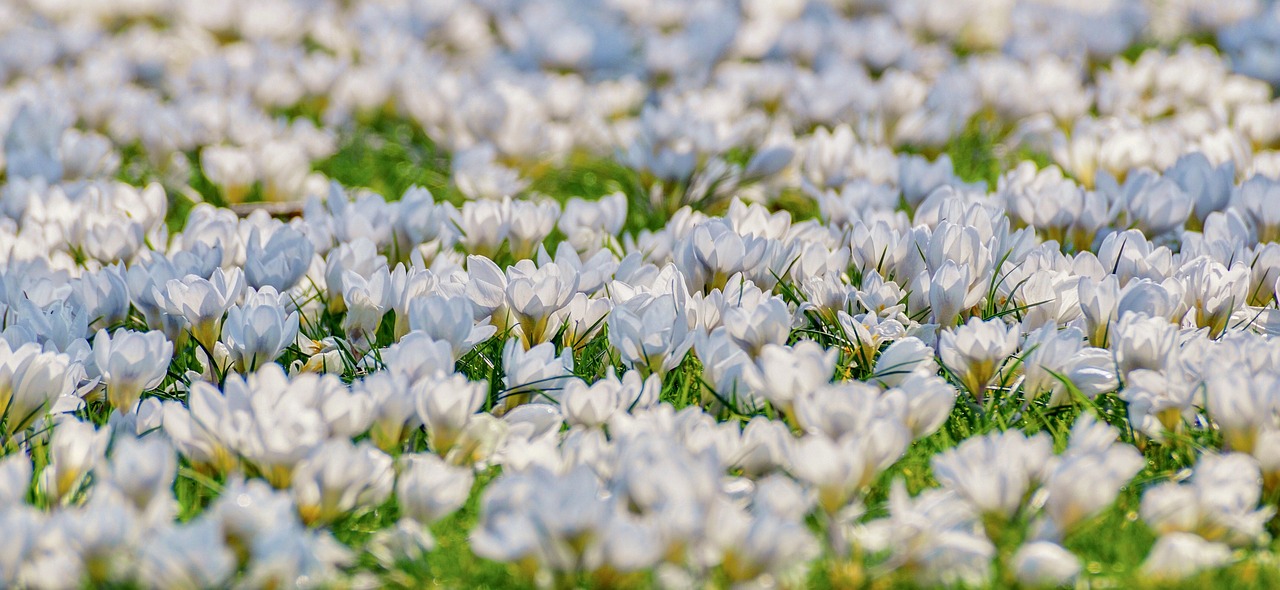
{"points": [[639, 293]]}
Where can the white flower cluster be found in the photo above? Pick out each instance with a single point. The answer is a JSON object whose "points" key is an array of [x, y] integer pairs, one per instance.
{"points": [[930, 377]]}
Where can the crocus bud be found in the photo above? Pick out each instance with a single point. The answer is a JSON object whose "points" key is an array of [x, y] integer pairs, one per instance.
{"points": [[279, 263], [947, 293]]}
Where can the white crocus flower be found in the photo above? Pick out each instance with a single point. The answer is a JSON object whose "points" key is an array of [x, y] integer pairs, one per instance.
{"points": [[142, 470], [1178, 555], [75, 448], [976, 351], [446, 406], [448, 319], [1219, 503], [1044, 564], [131, 362], [280, 262], [429, 489], [754, 327], [535, 294], [203, 302], [994, 473], [651, 333], [258, 331], [189, 555], [340, 477], [31, 382]]}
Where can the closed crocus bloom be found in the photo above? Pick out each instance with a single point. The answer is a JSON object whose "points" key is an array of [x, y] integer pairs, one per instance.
{"points": [[1045, 564], [417, 357], [105, 296], [902, 359], [1265, 274], [446, 406], [1156, 205], [359, 256], [280, 262], [975, 351], [535, 371], [229, 168], [1129, 255], [879, 247], [131, 363], [259, 330], [928, 401], [584, 317], [947, 292], [967, 246], [1259, 199], [429, 489], [367, 300], [1142, 342], [340, 477], [142, 469], [75, 448], [1243, 405], [487, 289], [1098, 303], [1091, 371], [203, 302], [531, 223], [31, 381], [1209, 187], [1151, 298], [393, 408], [768, 322], [485, 225], [448, 319]]}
